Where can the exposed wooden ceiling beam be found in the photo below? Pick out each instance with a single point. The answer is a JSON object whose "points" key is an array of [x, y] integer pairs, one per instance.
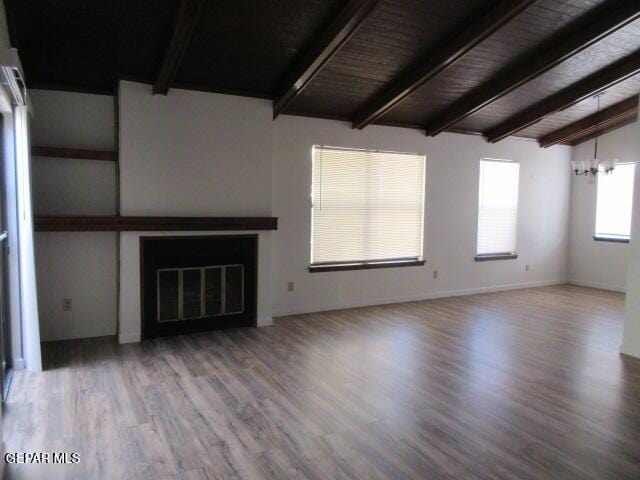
{"points": [[445, 56], [186, 21], [609, 18], [614, 114], [581, 90], [604, 128], [321, 50]]}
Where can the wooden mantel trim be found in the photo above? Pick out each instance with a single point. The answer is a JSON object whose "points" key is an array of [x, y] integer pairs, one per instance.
{"points": [[142, 224]]}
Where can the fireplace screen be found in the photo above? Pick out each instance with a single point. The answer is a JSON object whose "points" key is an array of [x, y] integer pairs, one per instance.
{"points": [[201, 292]]}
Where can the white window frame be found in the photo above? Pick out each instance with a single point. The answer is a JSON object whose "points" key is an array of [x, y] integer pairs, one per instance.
{"points": [[353, 265], [479, 257], [612, 237]]}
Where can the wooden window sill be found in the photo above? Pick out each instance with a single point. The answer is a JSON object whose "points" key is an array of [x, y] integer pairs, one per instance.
{"points": [[496, 256], [611, 239], [364, 266]]}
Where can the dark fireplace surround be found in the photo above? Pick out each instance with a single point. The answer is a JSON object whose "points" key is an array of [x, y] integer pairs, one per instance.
{"points": [[197, 283]]}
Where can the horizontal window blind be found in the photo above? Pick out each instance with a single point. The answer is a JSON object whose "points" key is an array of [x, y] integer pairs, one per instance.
{"points": [[614, 202], [367, 206], [498, 207]]}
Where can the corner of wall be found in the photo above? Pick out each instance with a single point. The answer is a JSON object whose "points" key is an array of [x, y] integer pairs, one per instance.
{"points": [[630, 351], [569, 227], [265, 322], [129, 338], [18, 363]]}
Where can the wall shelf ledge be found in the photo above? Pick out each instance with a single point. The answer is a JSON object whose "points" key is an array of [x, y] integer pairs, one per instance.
{"points": [[148, 224]]}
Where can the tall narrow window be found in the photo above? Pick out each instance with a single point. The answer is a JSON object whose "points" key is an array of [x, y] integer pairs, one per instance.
{"points": [[498, 209], [614, 203], [368, 207]]}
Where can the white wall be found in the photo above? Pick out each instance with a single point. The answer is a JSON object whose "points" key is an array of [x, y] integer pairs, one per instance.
{"points": [[450, 223], [631, 335], [192, 154], [80, 266], [195, 153], [66, 119], [64, 186], [592, 263]]}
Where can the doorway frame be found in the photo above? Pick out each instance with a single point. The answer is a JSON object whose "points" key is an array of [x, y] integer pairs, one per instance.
{"points": [[13, 264]]}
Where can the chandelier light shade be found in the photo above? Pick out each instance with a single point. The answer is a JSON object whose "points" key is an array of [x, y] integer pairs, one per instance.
{"points": [[594, 166], [609, 165]]}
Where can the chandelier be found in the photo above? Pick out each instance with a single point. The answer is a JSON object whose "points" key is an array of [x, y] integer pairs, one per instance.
{"points": [[595, 165]]}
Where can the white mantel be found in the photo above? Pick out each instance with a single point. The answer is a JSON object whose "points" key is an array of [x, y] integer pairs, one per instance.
{"points": [[129, 306]]}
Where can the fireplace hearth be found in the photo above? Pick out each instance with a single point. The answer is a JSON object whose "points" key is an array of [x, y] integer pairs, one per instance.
{"points": [[193, 284]]}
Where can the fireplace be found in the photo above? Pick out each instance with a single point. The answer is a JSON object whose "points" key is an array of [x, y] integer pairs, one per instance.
{"points": [[193, 284]]}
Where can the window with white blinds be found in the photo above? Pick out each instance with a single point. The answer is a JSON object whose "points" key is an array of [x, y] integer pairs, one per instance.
{"points": [[498, 207], [614, 203], [368, 206]]}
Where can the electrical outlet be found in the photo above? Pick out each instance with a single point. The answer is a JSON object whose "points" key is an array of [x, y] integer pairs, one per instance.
{"points": [[435, 274], [290, 286], [66, 304], [527, 267]]}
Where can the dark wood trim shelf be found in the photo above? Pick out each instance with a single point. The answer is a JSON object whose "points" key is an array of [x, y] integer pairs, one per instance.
{"points": [[142, 224], [78, 153], [363, 266], [496, 256]]}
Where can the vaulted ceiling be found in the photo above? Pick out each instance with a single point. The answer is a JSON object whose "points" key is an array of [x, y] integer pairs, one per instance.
{"points": [[496, 68]]}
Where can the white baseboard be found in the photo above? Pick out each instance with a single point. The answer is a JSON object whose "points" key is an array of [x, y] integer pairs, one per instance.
{"points": [[265, 322], [75, 336], [18, 363], [632, 352], [129, 338], [600, 286], [415, 298]]}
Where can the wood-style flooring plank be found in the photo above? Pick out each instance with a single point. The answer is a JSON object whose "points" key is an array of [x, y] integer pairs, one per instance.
{"points": [[525, 384]]}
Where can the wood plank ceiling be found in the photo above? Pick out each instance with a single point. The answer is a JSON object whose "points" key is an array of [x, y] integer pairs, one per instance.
{"points": [[496, 68]]}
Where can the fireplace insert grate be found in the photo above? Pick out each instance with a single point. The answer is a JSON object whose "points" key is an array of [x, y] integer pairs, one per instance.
{"points": [[194, 293]]}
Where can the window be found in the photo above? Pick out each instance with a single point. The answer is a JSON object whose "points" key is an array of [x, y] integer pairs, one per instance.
{"points": [[614, 202], [497, 209], [368, 208]]}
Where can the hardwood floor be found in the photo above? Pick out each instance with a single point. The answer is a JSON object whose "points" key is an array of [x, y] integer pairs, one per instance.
{"points": [[526, 384]]}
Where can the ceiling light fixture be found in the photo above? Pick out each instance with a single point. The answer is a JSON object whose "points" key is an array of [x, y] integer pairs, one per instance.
{"points": [[594, 166]]}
